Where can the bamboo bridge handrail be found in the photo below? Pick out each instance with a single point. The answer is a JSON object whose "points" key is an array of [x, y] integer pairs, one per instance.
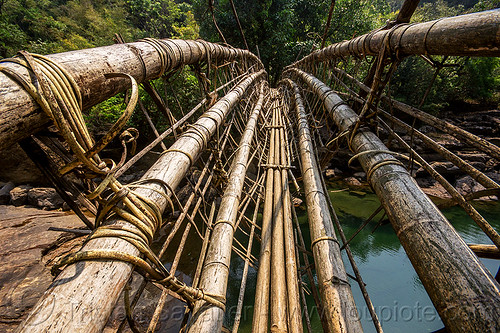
{"points": [[473, 34], [207, 317], [463, 291], [336, 294], [20, 115], [82, 297]]}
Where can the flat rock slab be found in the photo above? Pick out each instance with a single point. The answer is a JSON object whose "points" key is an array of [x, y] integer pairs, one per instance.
{"points": [[27, 249]]}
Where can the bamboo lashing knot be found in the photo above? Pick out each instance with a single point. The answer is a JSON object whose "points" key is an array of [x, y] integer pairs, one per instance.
{"points": [[324, 238]]}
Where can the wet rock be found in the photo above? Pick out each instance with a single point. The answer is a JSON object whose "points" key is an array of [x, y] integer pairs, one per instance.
{"points": [[5, 193], [45, 197], [19, 195]]}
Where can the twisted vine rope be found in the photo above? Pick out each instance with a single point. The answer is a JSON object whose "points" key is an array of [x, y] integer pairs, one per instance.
{"points": [[57, 93]]}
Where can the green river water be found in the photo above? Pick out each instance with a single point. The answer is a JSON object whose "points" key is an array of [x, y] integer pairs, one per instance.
{"points": [[395, 289]]}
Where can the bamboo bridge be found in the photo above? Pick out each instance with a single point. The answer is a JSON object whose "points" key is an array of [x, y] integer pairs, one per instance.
{"points": [[258, 147]]}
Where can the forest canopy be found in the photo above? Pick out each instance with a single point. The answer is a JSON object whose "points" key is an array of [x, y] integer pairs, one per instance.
{"points": [[278, 31]]}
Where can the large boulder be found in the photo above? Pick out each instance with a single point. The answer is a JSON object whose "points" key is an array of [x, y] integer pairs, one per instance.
{"points": [[45, 198]]}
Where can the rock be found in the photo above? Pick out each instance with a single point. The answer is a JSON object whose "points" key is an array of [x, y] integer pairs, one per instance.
{"points": [[18, 167], [360, 175], [478, 165], [467, 184], [427, 129], [5, 193], [437, 191], [353, 182], [23, 275], [19, 195], [45, 197], [330, 173]]}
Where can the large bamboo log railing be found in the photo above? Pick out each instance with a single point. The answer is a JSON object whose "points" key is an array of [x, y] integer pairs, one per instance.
{"points": [[338, 302], [207, 317], [20, 115], [464, 293], [465, 35], [72, 304]]}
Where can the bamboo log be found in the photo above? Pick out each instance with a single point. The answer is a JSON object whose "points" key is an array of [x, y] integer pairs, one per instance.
{"points": [[261, 304], [20, 115], [465, 35], [84, 294], [464, 293], [206, 316], [292, 278], [279, 304], [338, 303]]}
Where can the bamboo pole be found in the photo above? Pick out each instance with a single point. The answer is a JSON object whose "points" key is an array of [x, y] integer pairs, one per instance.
{"points": [[20, 115], [465, 294], [292, 279], [207, 317], [485, 250], [84, 294], [279, 304], [465, 35], [338, 303], [261, 304]]}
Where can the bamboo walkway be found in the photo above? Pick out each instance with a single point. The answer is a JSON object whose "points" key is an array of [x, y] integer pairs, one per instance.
{"points": [[243, 151]]}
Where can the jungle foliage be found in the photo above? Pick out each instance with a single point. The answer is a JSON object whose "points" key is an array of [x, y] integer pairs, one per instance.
{"points": [[279, 31]]}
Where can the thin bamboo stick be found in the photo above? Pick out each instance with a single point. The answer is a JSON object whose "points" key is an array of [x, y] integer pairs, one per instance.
{"points": [[292, 279], [279, 304], [459, 133]]}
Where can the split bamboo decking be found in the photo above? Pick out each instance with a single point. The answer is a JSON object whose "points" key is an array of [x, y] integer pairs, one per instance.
{"points": [[254, 148]]}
